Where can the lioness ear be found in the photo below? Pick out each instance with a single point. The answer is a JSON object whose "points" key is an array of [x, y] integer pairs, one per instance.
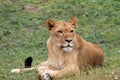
{"points": [[50, 24], [73, 21]]}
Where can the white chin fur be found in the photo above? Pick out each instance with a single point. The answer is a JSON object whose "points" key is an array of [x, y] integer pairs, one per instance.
{"points": [[67, 49]]}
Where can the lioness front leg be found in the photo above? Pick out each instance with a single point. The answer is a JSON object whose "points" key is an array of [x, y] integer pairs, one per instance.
{"points": [[55, 73]]}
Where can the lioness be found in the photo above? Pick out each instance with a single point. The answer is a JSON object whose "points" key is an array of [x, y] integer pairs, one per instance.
{"points": [[67, 51]]}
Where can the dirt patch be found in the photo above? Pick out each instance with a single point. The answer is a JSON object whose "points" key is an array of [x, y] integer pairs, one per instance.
{"points": [[31, 9]]}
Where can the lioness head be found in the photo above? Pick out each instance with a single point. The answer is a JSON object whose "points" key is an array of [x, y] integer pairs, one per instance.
{"points": [[62, 33]]}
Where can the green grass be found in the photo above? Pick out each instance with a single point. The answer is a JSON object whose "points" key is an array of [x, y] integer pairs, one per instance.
{"points": [[23, 34]]}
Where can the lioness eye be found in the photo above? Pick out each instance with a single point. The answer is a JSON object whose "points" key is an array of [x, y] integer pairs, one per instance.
{"points": [[59, 31], [71, 31]]}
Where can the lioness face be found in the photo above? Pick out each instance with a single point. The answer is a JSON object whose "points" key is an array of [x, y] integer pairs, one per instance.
{"points": [[62, 32]]}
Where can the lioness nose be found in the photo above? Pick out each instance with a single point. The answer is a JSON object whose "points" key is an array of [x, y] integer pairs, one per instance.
{"points": [[68, 41]]}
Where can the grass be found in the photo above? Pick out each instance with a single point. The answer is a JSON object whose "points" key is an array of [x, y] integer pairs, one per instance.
{"points": [[22, 34]]}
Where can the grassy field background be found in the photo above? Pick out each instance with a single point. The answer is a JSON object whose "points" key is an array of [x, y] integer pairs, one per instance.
{"points": [[23, 34]]}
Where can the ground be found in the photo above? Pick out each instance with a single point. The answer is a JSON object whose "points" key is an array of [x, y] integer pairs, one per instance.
{"points": [[23, 34]]}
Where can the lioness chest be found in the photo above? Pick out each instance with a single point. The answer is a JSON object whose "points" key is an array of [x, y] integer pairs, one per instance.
{"points": [[59, 59]]}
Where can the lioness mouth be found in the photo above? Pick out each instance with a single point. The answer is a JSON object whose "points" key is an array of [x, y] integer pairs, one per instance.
{"points": [[65, 46]]}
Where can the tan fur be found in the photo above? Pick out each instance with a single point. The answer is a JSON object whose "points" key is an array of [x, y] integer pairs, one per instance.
{"points": [[64, 59], [83, 53]]}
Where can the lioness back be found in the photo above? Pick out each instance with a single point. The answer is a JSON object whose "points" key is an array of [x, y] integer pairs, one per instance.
{"points": [[90, 55]]}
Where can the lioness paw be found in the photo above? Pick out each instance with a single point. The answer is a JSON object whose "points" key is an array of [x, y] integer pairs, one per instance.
{"points": [[46, 76]]}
